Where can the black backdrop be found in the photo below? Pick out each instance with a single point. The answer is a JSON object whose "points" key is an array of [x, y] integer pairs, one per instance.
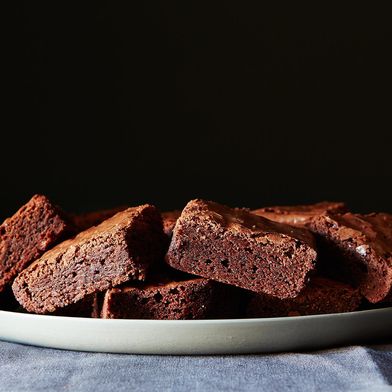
{"points": [[165, 101]]}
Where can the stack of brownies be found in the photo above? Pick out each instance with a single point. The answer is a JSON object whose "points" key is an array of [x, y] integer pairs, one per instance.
{"points": [[206, 261]]}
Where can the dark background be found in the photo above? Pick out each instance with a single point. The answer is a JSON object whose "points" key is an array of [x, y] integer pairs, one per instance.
{"points": [[166, 101]]}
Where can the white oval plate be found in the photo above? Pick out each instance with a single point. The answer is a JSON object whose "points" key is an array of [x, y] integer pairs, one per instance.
{"points": [[235, 336]]}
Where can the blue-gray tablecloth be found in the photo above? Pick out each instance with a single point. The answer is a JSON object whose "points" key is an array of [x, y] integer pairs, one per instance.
{"points": [[356, 368]]}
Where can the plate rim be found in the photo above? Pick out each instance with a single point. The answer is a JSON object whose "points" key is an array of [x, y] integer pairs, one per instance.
{"points": [[5, 313]]}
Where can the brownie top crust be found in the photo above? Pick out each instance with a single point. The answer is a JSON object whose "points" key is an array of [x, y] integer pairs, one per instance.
{"points": [[299, 215], [117, 221], [240, 220], [116, 224]]}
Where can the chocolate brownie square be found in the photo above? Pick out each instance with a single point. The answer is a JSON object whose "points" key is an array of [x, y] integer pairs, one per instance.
{"points": [[168, 299], [236, 247], [359, 249], [301, 214], [30, 232], [320, 296], [121, 248], [169, 221]]}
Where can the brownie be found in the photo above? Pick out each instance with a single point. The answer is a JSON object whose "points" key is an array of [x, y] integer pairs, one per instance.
{"points": [[320, 296], [167, 299], [301, 214], [121, 248], [237, 247], [169, 221], [30, 232], [359, 249], [88, 219]]}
